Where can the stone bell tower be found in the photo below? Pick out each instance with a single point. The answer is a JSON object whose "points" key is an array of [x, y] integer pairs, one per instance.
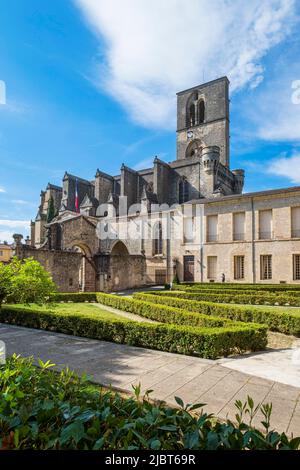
{"points": [[203, 120]]}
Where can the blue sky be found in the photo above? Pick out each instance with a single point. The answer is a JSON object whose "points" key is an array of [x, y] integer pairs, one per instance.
{"points": [[91, 84]]}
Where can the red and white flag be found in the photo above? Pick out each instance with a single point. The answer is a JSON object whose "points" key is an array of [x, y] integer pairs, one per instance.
{"points": [[76, 196]]}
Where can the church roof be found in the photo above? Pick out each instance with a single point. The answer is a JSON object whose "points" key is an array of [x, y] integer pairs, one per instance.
{"points": [[89, 201]]}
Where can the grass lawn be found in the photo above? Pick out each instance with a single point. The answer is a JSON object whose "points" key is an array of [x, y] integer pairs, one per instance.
{"points": [[74, 308]]}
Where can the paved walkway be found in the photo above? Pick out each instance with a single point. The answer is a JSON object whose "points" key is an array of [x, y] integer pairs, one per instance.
{"points": [[194, 380], [281, 365]]}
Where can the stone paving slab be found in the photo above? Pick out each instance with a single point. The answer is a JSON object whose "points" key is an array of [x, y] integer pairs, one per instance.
{"points": [[278, 365], [195, 380]]}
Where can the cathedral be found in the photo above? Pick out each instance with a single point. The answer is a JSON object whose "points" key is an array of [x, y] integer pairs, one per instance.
{"points": [[186, 218]]}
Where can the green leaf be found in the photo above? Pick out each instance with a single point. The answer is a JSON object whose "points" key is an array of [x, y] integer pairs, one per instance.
{"points": [[179, 402], [99, 444], [73, 431], [155, 444]]}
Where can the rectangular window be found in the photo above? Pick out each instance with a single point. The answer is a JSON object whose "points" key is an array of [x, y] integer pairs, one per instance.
{"points": [[1, 253], [265, 225], [296, 267], [239, 226], [212, 228], [239, 265], [295, 222], [188, 229], [265, 267], [212, 267]]}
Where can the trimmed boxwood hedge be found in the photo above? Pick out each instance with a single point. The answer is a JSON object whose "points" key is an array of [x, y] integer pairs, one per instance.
{"points": [[166, 314], [284, 322], [232, 285], [294, 293], [255, 298], [204, 342], [74, 297]]}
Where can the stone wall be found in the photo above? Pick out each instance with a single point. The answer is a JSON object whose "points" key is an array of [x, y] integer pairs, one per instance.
{"points": [[62, 265]]}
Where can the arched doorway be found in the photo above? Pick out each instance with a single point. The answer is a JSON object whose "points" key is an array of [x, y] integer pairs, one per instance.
{"points": [[86, 271], [119, 249], [120, 266]]}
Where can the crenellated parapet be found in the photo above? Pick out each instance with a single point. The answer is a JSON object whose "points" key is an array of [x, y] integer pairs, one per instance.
{"points": [[210, 159]]}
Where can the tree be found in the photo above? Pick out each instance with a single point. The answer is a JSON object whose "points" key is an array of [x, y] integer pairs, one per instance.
{"points": [[51, 210], [5, 281], [25, 281]]}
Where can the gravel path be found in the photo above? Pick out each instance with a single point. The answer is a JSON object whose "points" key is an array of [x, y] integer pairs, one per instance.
{"points": [[130, 316]]}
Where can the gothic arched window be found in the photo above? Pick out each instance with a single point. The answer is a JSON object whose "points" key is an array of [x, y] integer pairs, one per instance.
{"points": [[192, 115], [201, 111], [194, 149], [183, 191], [157, 239], [195, 110]]}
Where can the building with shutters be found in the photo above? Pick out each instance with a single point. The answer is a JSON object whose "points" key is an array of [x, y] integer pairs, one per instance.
{"points": [[187, 217]]}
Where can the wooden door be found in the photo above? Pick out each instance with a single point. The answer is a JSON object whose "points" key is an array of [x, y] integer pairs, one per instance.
{"points": [[188, 268]]}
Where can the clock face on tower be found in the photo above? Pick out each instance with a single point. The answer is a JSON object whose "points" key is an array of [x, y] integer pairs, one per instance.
{"points": [[189, 134]]}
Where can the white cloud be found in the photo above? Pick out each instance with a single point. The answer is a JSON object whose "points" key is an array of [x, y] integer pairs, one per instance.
{"points": [[2, 190], [21, 202], [6, 236], [9, 227], [288, 167], [155, 48], [144, 164], [280, 120], [14, 223]]}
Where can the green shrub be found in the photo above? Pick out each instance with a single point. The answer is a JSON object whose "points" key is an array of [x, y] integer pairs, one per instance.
{"points": [[201, 341], [284, 322], [235, 286], [74, 297], [180, 316], [294, 293], [44, 410], [25, 281], [163, 313], [255, 298]]}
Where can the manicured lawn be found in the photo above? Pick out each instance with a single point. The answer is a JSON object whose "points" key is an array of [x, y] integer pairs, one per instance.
{"points": [[75, 308]]}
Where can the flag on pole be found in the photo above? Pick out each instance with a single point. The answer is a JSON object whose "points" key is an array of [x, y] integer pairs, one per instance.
{"points": [[76, 196]]}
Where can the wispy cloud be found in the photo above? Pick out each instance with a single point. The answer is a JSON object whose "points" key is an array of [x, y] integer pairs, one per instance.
{"points": [[148, 162], [5, 235], [9, 226], [154, 49], [287, 167], [2, 190], [14, 223], [21, 202], [143, 164]]}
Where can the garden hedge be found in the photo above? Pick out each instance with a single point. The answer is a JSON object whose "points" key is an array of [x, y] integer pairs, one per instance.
{"points": [[255, 298], [231, 290], [164, 313], [284, 322], [235, 286], [204, 342], [74, 297]]}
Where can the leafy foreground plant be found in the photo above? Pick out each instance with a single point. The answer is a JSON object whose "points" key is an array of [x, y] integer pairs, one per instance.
{"points": [[42, 409]]}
